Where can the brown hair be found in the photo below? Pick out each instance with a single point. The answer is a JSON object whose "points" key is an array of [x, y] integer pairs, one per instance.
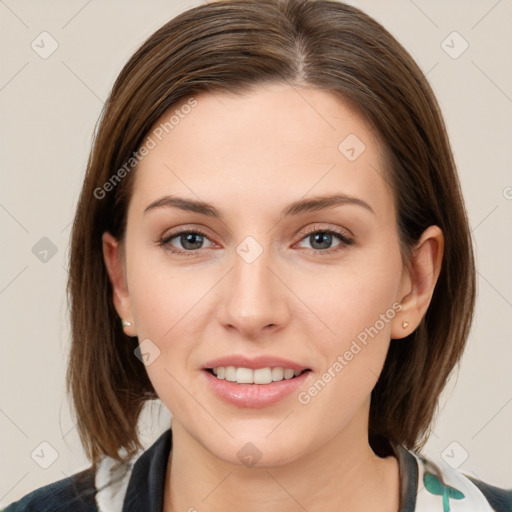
{"points": [[233, 46]]}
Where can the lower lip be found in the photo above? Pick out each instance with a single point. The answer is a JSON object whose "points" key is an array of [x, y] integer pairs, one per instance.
{"points": [[254, 395]]}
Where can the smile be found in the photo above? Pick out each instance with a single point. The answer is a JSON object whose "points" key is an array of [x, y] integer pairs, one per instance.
{"points": [[242, 375]]}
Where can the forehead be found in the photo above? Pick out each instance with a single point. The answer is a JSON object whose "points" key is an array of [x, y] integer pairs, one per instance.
{"points": [[276, 143]]}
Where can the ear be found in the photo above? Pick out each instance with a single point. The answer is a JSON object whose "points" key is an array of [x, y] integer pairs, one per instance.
{"points": [[418, 282], [114, 262]]}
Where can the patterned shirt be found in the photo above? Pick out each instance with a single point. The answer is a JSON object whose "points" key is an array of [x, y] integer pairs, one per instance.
{"points": [[138, 486]]}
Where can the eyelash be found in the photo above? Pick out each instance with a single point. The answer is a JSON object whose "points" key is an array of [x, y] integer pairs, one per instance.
{"points": [[344, 239]]}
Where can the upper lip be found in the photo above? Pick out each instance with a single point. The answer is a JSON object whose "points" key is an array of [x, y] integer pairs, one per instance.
{"points": [[240, 361]]}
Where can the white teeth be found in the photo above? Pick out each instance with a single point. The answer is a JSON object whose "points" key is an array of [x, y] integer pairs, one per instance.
{"points": [[277, 373], [230, 373], [245, 376], [262, 376], [288, 374], [259, 376]]}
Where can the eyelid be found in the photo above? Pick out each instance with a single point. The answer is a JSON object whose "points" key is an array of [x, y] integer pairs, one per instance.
{"points": [[343, 232]]}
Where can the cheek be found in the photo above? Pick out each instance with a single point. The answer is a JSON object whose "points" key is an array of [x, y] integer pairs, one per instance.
{"points": [[352, 357], [353, 296], [164, 296], [357, 304], [167, 310]]}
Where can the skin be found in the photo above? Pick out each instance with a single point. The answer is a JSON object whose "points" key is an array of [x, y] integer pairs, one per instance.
{"points": [[250, 156]]}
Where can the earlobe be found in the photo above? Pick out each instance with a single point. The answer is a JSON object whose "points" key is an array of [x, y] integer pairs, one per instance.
{"points": [[418, 286], [113, 259]]}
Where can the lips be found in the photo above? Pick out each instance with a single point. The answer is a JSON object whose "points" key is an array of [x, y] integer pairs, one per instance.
{"points": [[256, 382], [239, 361]]}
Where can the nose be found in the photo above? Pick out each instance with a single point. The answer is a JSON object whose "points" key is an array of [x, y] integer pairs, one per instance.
{"points": [[254, 298]]}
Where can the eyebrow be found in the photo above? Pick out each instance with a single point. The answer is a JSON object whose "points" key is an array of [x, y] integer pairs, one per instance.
{"points": [[296, 208]]}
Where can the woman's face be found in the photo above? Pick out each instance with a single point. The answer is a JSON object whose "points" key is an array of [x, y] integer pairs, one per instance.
{"points": [[294, 264]]}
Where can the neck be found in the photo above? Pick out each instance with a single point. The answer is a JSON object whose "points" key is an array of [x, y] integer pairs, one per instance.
{"points": [[343, 474]]}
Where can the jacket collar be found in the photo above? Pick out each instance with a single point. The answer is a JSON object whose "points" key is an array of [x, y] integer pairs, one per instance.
{"points": [[408, 466], [147, 482]]}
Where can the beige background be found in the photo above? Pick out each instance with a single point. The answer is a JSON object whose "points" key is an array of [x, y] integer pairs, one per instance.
{"points": [[48, 110]]}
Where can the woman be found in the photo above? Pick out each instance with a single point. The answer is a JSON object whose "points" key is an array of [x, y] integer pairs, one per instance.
{"points": [[271, 240]]}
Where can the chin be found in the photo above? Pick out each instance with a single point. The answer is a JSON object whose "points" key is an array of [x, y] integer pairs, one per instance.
{"points": [[257, 451]]}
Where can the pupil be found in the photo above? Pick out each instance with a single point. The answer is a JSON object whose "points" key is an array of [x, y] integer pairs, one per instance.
{"points": [[318, 237], [190, 238]]}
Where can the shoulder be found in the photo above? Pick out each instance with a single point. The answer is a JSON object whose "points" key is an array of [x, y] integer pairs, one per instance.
{"points": [[133, 486], [76, 492], [440, 487]]}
